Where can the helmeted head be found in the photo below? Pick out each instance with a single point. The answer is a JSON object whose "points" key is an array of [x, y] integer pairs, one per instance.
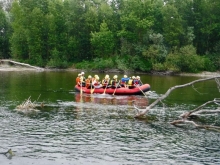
{"points": [[115, 77], [82, 73], [133, 77], [107, 76], [125, 76], [138, 77], [89, 76], [79, 74]]}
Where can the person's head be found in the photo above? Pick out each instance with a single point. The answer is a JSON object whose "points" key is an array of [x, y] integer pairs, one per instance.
{"points": [[82, 73], [133, 77], [138, 77], [89, 77], [79, 74], [125, 76], [107, 76], [115, 77]]}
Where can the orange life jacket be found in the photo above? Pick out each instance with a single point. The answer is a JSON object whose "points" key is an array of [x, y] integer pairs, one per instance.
{"points": [[88, 82], [78, 81]]}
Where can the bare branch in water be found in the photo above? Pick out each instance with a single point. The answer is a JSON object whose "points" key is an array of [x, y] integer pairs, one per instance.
{"points": [[184, 117], [142, 112]]}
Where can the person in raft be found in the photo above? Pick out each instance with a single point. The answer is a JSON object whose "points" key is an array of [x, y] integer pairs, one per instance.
{"points": [[83, 78], [96, 83], [105, 81], [89, 81], [114, 82], [78, 80], [124, 81], [131, 82], [137, 81]]}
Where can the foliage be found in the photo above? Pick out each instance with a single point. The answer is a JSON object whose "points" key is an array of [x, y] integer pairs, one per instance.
{"points": [[5, 30], [97, 63], [102, 42], [124, 34], [185, 60]]}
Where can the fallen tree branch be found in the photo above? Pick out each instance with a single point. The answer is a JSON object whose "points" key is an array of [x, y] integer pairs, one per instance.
{"points": [[198, 111], [210, 127], [142, 112]]}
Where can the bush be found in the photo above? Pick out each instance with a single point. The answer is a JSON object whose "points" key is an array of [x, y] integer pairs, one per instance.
{"points": [[139, 63], [97, 63], [159, 67], [172, 62], [185, 60], [122, 64], [209, 65]]}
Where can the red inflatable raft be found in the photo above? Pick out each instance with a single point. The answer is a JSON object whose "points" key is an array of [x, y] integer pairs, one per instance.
{"points": [[118, 91]]}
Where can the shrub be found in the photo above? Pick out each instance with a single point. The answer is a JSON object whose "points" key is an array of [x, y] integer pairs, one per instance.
{"points": [[185, 60]]}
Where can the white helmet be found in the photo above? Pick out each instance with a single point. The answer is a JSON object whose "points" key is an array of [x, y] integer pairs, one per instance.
{"points": [[82, 73]]}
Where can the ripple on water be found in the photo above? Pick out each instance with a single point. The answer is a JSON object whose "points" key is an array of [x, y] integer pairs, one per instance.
{"points": [[108, 134]]}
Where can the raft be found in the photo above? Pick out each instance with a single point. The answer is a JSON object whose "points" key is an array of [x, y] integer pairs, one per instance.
{"points": [[137, 90]]}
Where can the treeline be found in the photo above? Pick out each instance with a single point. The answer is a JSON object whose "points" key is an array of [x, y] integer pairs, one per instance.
{"points": [[140, 35]]}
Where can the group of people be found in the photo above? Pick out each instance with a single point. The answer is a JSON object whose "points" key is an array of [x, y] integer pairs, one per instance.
{"points": [[106, 82]]}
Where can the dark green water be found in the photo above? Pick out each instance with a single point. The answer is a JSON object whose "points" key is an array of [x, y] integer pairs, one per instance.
{"points": [[100, 129]]}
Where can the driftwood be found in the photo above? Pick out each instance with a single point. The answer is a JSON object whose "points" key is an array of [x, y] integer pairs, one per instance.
{"points": [[28, 105], [19, 64], [184, 117], [197, 111]]}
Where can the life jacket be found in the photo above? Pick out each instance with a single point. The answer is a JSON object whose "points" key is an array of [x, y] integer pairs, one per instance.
{"points": [[131, 82], [136, 82], [78, 81], [105, 82], [88, 83], [114, 82]]}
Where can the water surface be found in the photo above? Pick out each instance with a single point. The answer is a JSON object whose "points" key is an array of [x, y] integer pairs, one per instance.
{"points": [[100, 129]]}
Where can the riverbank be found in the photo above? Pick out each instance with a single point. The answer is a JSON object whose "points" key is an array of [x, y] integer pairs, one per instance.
{"points": [[8, 65]]}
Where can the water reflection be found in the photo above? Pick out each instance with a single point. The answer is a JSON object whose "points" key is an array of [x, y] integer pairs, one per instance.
{"points": [[107, 99]]}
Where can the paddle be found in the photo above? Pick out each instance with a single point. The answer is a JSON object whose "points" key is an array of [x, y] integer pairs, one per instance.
{"points": [[141, 90], [105, 87], [81, 89], [116, 87], [92, 89]]}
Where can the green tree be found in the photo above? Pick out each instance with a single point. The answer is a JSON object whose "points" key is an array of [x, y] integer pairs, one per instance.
{"points": [[19, 46], [103, 42], [172, 25], [5, 32]]}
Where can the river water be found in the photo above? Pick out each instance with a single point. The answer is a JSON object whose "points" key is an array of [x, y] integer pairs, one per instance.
{"points": [[101, 129]]}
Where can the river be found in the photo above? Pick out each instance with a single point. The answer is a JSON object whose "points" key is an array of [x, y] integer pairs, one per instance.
{"points": [[101, 129]]}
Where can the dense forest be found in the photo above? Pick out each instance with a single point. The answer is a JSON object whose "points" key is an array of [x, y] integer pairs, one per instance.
{"points": [[138, 35]]}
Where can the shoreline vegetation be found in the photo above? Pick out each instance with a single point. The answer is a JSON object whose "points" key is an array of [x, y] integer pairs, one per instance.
{"points": [[10, 65]]}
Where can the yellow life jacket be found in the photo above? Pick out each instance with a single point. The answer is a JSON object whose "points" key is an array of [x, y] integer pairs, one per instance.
{"points": [[130, 82]]}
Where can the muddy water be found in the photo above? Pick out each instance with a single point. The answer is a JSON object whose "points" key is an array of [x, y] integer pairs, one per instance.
{"points": [[100, 129]]}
